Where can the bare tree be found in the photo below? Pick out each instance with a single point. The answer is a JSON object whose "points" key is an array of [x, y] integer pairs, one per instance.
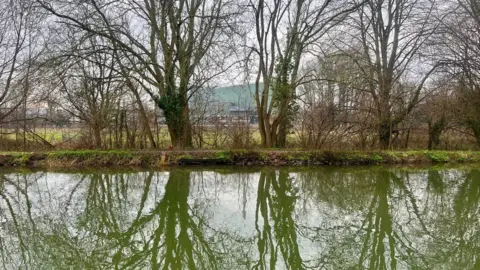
{"points": [[167, 44], [333, 110], [88, 85], [390, 35], [460, 47], [284, 32], [438, 110], [16, 53]]}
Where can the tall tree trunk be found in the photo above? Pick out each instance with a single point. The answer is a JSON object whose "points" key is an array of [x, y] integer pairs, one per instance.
{"points": [[262, 111], [407, 139], [269, 136], [97, 137], [285, 125], [261, 127], [384, 133], [282, 133], [178, 121], [123, 126]]}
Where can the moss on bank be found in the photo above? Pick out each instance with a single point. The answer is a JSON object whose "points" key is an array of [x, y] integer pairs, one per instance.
{"points": [[89, 158]]}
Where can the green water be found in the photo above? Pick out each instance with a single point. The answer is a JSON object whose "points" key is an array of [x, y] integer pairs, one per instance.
{"points": [[218, 218]]}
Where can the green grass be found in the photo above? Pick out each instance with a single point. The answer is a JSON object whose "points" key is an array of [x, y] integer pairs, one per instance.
{"points": [[438, 156], [79, 158], [90, 154], [51, 135]]}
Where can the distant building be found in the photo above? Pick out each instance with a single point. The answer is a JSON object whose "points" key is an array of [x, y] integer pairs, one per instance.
{"points": [[232, 104]]}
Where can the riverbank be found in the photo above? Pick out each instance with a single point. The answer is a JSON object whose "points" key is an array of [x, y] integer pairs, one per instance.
{"points": [[94, 158]]}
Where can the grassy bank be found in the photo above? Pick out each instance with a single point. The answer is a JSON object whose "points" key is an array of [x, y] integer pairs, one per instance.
{"points": [[93, 158]]}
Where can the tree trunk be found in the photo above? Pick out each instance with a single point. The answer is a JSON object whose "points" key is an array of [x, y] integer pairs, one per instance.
{"points": [[407, 139], [123, 126], [130, 134], [179, 128], [176, 112], [384, 134], [266, 130], [261, 127], [282, 133], [97, 137], [269, 136], [262, 111]]}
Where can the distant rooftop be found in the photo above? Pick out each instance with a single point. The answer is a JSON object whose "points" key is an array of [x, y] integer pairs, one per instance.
{"points": [[239, 95]]}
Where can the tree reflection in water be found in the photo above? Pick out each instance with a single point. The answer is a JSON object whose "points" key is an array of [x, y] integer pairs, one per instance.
{"points": [[169, 236], [315, 218], [276, 199]]}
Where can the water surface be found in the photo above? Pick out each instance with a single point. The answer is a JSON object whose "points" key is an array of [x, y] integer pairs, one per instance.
{"points": [[219, 218]]}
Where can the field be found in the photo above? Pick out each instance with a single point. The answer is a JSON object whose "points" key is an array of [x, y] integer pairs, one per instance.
{"points": [[207, 137]]}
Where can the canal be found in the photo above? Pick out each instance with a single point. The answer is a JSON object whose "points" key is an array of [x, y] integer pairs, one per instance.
{"points": [[242, 218]]}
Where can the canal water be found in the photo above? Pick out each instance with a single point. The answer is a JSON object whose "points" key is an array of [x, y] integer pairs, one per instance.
{"points": [[236, 218]]}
